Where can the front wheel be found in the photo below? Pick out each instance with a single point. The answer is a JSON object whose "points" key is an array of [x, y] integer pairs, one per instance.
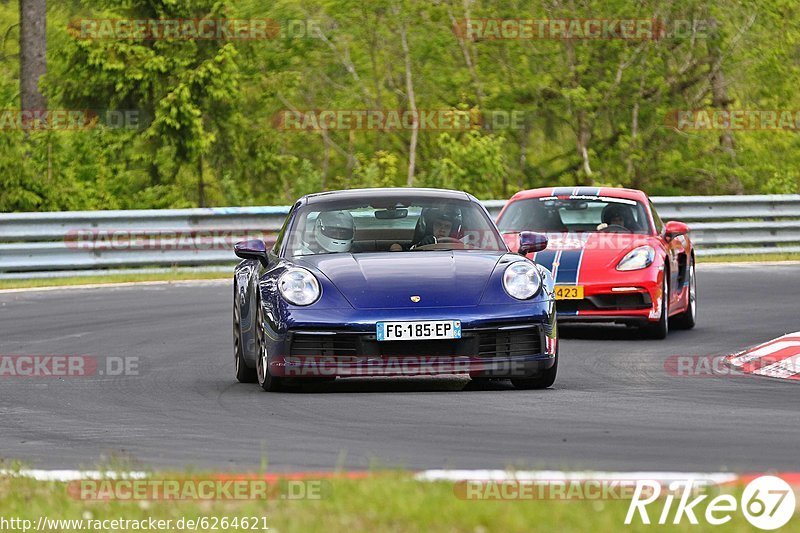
{"points": [[688, 318], [544, 379], [659, 330], [267, 381]]}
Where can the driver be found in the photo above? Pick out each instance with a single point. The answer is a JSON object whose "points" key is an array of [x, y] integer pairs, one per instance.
{"points": [[333, 232], [614, 215], [439, 224]]}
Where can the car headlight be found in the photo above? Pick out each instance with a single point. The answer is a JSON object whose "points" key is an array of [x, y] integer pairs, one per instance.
{"points": [[638, 258], [522, 280], [299, 286]]}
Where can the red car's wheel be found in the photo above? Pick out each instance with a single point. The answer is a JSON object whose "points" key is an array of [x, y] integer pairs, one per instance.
{"points": [[659, 330]]}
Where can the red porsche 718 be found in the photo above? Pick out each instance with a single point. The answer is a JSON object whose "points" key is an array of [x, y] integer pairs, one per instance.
{"points": [[611, 256]]}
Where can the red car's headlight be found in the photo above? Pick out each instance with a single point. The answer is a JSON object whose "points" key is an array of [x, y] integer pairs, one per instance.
{"points": [[638, 258]]}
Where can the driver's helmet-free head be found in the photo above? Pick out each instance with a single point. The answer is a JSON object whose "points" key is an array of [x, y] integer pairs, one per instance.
{"points": [[614, 211], [334, 231], [445, 214]]}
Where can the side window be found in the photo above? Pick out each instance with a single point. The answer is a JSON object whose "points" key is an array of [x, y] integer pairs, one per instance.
{"points": [[656, 219], [276, 248]]}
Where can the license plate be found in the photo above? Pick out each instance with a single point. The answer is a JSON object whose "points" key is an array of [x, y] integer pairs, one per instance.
{"points": [[569, 292], [420, 330]]}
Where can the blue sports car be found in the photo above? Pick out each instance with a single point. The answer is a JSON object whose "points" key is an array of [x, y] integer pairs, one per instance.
{"points": [[391, 282]]}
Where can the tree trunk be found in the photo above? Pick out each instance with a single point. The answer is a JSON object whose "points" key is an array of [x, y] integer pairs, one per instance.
{"points": [[721, 100], [201, 184], [583, 132], [32, 52], [465, 51], [412, 106]]}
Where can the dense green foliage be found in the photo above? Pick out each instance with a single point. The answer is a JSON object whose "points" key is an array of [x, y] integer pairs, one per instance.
{"points": [[595, 111]]}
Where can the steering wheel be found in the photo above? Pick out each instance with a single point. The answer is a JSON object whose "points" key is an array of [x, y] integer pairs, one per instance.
{"points": [[613, 228], [450, 241]]}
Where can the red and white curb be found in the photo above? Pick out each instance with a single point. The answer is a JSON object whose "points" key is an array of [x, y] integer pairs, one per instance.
{"points": [[778, 358]]}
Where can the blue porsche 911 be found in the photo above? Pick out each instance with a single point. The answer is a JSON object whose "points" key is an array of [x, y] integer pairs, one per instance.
{"points": [[392, 282]]}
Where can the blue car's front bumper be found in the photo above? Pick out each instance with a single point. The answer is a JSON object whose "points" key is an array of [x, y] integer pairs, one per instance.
{"points": [[513, 340]]}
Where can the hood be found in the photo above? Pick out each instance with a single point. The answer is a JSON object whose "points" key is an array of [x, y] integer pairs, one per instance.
{"points": [[389, 280], [572, 255]]}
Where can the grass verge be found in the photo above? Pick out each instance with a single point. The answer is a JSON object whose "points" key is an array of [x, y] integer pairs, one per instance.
{"points": [[111, 278], [380, 502], [754, 258]]}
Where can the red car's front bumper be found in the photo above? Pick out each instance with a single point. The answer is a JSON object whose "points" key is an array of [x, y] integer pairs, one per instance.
{"points": [[630, 297]]}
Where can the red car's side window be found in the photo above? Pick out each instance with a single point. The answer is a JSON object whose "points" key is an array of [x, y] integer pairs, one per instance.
{"points": [[656, 219]]}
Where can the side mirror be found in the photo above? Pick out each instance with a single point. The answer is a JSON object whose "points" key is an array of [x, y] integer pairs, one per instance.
{"points": [[530, 242], [252, 249], [674, 228]]}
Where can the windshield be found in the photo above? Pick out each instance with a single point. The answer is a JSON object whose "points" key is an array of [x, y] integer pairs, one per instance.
{"points": [[556, 215], [362, 226]]}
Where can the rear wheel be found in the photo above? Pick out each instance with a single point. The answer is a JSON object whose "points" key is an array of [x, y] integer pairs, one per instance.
{"points": [[244, 374], [687, 319], [659, 330], [541, 381]]}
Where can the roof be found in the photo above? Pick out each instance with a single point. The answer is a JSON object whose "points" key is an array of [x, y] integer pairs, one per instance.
{"points": [[613, 192], [385, 193]]}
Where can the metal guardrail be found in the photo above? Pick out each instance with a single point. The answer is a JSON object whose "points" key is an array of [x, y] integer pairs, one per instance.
{"points": [[36, 244]]}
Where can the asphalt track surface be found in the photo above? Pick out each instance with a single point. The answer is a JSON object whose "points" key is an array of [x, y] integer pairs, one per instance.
{"points": [[614, 405]]}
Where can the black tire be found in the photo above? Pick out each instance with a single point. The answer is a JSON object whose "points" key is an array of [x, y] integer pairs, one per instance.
{"points": [[244, 374], [688, 318], [544, 379], [267, 381], [660, 329]]}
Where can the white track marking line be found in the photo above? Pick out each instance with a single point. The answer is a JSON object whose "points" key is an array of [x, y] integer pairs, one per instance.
{"points": [[559, 475], [719, 265], [425, 475], [70, 475]]}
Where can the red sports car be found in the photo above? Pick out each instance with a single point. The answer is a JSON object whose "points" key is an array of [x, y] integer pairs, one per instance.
{"points": [[611, 256]]}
